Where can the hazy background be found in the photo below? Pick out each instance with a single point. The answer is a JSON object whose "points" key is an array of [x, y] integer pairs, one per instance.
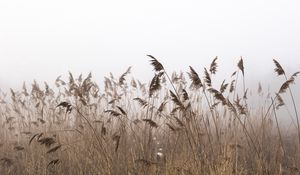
{"points": [[44, 39]]}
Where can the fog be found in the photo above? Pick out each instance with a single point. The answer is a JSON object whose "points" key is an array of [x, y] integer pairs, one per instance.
{"points": [[42, 40]]}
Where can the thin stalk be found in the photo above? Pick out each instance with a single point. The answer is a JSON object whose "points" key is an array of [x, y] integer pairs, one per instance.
{"points": [[213, 116], [107, 158], [248, 135], [171, 83], [278, 129], [295, 109]]}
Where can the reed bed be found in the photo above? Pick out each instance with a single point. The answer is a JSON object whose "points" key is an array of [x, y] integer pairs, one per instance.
{"points": [[178, 124]]}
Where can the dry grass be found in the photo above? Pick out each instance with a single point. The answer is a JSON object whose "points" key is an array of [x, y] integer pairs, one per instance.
{"points": [[171, 126]]}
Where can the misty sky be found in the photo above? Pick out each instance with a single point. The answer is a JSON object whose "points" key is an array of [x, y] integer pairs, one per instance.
{"points": [[44, 39]]}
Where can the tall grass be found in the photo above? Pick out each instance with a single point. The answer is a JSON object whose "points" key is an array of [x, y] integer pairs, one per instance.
{"points": [[175, 124]]}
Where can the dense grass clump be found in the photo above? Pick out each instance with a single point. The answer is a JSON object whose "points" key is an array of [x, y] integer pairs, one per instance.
{"points": [[175, 125]]}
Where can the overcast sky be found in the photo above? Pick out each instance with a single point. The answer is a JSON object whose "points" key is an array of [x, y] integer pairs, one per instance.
{"points": [[44, 39]]}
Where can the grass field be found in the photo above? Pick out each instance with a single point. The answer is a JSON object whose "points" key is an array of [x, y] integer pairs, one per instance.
{"points": [[177, 124]]}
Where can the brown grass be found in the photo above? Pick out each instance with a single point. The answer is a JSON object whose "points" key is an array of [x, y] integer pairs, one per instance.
{"points": [[137, 128]]}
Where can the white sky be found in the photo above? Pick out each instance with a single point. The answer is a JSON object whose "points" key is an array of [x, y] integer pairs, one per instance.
{"points": [[44, 39]]}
